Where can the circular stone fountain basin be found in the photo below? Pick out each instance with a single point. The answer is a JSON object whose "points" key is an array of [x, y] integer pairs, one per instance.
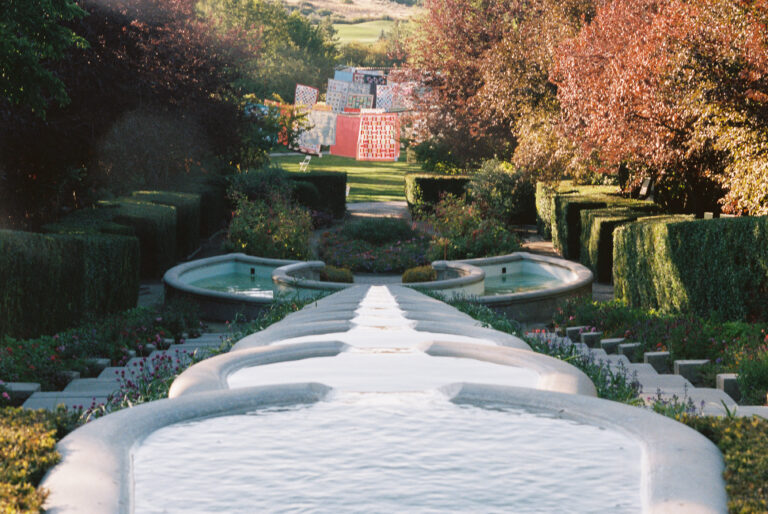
{"points": [[225, 285], [526, 287], [387, 453]]}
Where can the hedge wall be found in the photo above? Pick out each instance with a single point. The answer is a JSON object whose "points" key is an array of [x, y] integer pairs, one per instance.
{"points": [[559, 207], [187, 217], [155, 226], [424, 190], [50, 281], [214, 206], [711, 266], [332, 189], [597, 226]]}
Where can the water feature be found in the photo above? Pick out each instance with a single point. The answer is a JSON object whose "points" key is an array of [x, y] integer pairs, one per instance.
{"points": [[518, 283], [255, 284], [395, 452]]}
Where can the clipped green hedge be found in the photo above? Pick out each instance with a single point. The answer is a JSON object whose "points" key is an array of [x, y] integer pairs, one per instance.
{"points": [[566, 216], [424, 190], [27, 451], [744, 444], [597, 226], [705, 266], [155, 226], [187, 217], [50, 281], [419, 274], [214, 206], [331, 187]]}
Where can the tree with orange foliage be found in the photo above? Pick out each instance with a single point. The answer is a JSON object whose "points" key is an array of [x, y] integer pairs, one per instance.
{"points": [[677, 90]]}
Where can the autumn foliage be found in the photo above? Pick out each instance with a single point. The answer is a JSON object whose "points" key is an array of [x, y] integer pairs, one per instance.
{"points": [[677, 89], [672, 89]]}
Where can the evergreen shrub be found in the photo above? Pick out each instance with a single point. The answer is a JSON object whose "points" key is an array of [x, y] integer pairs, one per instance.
{"points": [[50, 281], [711, 266], [187, 217], [423, 191]]}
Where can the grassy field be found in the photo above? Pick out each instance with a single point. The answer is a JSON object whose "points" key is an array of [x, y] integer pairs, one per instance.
{"points": [[368, 181], [366, 32]]}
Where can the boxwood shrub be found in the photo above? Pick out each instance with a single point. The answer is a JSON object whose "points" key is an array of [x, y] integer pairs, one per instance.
{"points": [[597, 226], [331, 187], [27, 451], [187, 217], [419, 274], [744, 444], [716, 266], [424, 190], [50, 281]]}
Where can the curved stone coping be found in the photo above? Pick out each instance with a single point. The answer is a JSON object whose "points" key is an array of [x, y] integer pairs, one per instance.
{"points": [[303, 275], [681, 469], [212, 374], [554, 374], [282, 330], [470, 279], [583, 277], [472, 330], [95, 472], [173, 278]]}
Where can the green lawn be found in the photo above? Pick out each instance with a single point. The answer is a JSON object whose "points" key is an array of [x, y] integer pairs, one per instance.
{"points": [[368, 181], [365, 32]]}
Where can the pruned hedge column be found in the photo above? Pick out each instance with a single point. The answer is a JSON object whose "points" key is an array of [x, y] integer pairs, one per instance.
{"points": [[705, 266], [50, 281]]}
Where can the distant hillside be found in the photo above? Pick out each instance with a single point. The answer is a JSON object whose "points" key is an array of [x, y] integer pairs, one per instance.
{"points": [[355, 10]]}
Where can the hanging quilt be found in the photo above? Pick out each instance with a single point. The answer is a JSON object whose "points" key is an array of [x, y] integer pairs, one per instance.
{"points": [[379, 138], [347, 131], [384, 97], [336, 95], [356, 101], [376, 80], [345, 75], [359, 89], [306, 95], [402, 96]]}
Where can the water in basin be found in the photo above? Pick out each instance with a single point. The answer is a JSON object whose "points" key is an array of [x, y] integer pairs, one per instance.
{"points": [[394, 452], [257, 285], [518, 283]]}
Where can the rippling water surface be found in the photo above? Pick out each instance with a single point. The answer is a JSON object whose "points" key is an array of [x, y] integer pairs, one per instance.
{"points": [[393, 452], [257, 285], [518, 283]]}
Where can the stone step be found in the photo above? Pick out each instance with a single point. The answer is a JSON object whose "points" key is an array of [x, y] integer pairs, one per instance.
{"points": [[74, 400], [611, 345], [20, 391], [599, 354], [728, 383], [591, 339], [711, 402], [115, 372], [95, 386], [752, 410], [631, 350], [574, 333], [690, 369], [642, 369], [659, 360], [666, 383]]}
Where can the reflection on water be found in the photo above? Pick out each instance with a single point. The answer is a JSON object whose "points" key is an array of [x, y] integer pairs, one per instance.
{"points": [[394, 452]]}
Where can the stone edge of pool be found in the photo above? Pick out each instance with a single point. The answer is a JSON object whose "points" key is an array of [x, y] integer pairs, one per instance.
{"points": [[95, 474]]}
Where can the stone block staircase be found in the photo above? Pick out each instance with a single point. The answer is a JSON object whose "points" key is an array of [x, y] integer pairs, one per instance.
{"points": [[651, 370]]}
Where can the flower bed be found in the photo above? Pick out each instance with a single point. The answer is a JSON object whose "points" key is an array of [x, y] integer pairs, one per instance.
{"points": [[46, 359], [731, 346]]}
